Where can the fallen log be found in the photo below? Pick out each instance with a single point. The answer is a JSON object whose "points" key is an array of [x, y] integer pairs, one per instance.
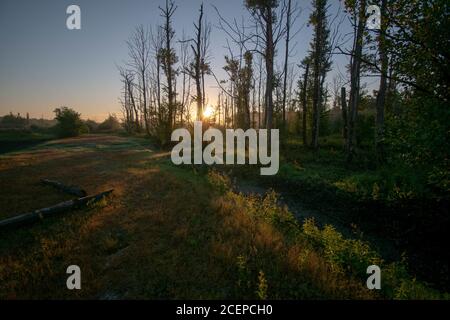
{"points": [[73, 190], [40, 214]]}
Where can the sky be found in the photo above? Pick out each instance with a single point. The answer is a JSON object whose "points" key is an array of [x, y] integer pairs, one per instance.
{"points": [[43, 65]]}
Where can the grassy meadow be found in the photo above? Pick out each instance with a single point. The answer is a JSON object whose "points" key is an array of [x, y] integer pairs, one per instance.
{"points": [[173, 233]]}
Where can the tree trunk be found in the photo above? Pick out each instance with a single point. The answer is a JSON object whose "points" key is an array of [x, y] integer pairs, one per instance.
{"points": [[270, 53], [381, 97], [259, 94], [197, 53], [305, 105], [317, 90], [288, 30], [144, 94], [73, 190], [40, 214], [133, 104], [355, 81], [344, 114]]}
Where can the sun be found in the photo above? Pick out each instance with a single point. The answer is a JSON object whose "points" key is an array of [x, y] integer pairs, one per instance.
{"points": [[208, 112]]}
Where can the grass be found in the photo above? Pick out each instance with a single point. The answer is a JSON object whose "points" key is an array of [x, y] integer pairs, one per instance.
{"points": [[168, 232], [23, 135], [11, 140], [391, 202]]}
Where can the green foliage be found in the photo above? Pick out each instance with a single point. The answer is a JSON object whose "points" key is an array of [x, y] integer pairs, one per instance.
{"points": [[346, 258], [325, 123], [69, 123], [262, 286], [244, 276], [261, 4], [419, 138], [412, 173], [12, 140], [420, 46], [345, 255], [111, 124], [219, 181], [365, 130], [92, 125], [13, 121], [352, 257], [241, 78]]}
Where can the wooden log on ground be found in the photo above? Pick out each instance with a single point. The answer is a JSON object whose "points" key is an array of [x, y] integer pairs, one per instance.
{"points": [[73, 190], [40, 214]]}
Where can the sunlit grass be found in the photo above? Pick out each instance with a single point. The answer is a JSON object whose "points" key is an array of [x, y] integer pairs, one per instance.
{"points": [[170, 232]]}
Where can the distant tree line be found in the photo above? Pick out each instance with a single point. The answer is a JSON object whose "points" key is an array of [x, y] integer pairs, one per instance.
{"points": [[67, 123]]}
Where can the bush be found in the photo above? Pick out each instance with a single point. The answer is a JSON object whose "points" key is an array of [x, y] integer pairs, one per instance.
{"points": [[111, 124], [365, 128], [69, 123], [92, 125], [336, 265], [12, 121]]}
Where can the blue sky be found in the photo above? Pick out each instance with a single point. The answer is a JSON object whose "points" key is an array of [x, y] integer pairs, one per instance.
{"points": [[43, 65]]}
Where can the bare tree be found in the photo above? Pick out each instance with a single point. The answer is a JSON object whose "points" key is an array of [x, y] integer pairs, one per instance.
{"points": [[381, 97], [157, 40], [199, 63], [186, 79], [129, 100], [344, 113], [139, 52], [272, 26], [204, 65], [289, 22], [359, 14], [320, 58], [168, 58], [304, 99]]}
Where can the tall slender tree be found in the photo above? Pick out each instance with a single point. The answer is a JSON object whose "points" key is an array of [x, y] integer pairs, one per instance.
{"points": [[139, 52], [381, 96], [358, 10], [320, 60], [304, 99], [169, 58], [286, 58], [200, 66], [265, 16]]}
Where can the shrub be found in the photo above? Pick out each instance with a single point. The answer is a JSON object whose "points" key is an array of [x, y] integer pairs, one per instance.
{"points": [[336, 265], [92, 125], [13, 121], [111, 124], [69, 123], [351, 257]]}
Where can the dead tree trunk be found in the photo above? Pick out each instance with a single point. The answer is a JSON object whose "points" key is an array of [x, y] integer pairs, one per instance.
{"points": [[73, 190], [286, 61], [197, 65], [40, 214], [355, 81], [269, 56], [344, 114], [304, 105], [381, 97]]}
